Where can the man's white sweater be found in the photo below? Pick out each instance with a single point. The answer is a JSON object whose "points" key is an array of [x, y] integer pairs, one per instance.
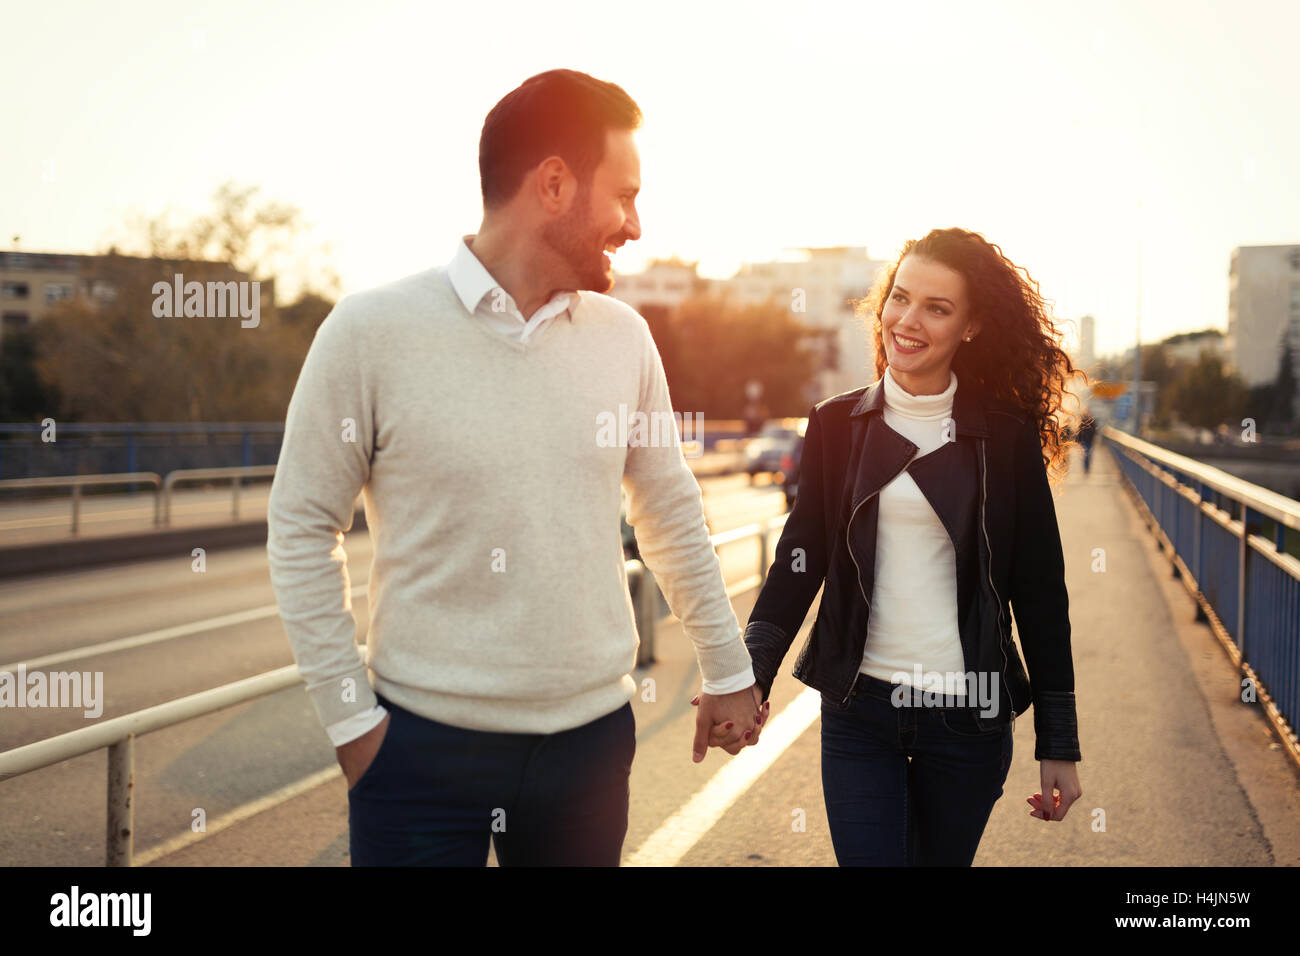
{"points": [[498, 597]]}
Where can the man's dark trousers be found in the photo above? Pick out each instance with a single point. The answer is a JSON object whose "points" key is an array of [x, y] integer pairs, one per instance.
{"points": [[435, 794]]}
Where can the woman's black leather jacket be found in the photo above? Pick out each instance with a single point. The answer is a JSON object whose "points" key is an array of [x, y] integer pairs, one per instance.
{"points": [[989, 487]]}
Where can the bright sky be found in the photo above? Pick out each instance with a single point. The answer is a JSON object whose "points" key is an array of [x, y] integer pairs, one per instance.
{"points": [[1039, 124]]}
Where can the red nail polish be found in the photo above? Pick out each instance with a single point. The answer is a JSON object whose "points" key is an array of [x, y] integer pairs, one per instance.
{"points": [[747, 733], [730, 724]]}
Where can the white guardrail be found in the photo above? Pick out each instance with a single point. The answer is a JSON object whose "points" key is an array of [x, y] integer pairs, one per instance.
{"points": [[162, 487]]}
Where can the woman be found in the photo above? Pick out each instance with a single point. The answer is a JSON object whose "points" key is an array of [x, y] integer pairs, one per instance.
{"points": [[924, 507]]}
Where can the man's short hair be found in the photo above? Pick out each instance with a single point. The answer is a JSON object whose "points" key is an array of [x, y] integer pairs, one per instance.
{"points": [[557, 113]]}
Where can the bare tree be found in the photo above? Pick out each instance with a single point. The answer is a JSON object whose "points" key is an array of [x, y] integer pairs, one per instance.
{"points": [[112, 357]]}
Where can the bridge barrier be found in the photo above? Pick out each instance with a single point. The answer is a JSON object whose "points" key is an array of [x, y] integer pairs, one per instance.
{"points": [[1234, 546]]}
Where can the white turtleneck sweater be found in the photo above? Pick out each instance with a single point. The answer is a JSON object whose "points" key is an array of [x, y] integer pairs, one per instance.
{"points": [[913, 620]]}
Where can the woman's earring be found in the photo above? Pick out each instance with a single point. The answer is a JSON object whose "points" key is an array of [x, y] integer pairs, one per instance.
{"points": [[968, 338]]}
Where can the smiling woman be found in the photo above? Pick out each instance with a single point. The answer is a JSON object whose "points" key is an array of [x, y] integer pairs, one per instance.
{"points": [[925, 517], [952, 300], [920, 341]]}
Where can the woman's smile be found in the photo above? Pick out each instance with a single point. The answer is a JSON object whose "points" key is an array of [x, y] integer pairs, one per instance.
{"points": [[907, 345]]}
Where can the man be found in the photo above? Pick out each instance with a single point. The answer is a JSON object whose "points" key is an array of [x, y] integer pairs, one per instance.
{"points": [[501, 628]]}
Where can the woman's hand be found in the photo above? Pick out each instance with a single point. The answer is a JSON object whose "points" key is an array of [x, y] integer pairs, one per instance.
{"points": [[1054, 775], [721, 733]]}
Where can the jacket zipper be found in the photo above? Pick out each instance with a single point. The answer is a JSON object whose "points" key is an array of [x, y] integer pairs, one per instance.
{"points": [[848, 547], [989, 546]]}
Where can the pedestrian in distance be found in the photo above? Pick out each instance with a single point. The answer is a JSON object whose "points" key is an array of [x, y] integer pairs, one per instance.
{"points": [[1087, 432]]}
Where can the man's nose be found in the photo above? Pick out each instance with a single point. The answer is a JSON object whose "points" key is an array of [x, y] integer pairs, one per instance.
{"points": [[632, 227]]}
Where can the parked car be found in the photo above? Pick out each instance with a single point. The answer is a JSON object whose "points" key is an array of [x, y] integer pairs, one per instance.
{"points": [[790, 467], [764, 452]]}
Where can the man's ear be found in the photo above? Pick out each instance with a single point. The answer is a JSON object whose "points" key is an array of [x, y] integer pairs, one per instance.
{"points": [[556, 184]]}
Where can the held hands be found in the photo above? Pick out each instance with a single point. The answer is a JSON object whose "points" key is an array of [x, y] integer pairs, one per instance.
{"points": [[1062, 775], [729, 721]]}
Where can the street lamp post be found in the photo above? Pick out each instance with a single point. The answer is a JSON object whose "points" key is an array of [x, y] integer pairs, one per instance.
{"points": [[1137, 347]]}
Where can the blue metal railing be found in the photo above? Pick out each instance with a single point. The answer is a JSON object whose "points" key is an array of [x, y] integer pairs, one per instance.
{"points": [[1235, 546], [26, 451]]}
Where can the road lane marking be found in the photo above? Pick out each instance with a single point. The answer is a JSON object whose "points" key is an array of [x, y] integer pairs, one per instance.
{"points": [[238, 815], [680, 832], [154, 637]]}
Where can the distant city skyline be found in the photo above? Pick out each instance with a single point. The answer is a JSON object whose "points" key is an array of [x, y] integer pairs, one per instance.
{"points": [[766, 129]]}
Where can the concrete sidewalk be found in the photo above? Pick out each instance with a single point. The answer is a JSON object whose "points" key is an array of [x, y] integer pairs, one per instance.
{"points": [[48, 519], [1176, 770]]}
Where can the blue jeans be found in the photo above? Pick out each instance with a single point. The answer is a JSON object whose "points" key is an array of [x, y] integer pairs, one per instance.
{"points": [[435, 794], [908, 786]]}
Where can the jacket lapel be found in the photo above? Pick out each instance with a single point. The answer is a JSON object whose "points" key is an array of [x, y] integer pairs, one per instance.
{"points": [[889, 453]]}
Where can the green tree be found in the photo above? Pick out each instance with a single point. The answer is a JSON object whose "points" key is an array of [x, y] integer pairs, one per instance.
{"points": [[23, 396], [1204, 395], [1271, 404], [1282, 412]]}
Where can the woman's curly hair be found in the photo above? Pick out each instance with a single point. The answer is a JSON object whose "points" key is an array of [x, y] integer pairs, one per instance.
{"points": [[1016, 355]]}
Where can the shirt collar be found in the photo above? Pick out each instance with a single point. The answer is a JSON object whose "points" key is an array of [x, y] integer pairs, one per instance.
{"points": [[471, 281]]}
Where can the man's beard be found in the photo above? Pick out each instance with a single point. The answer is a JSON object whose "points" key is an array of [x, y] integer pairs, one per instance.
{"points": [[573, 238]]}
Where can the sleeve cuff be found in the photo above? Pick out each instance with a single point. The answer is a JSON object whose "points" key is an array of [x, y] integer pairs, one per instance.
{"points": [[729, 685], [1056, 726], [350, 728], [723, 662], [344, 696]]}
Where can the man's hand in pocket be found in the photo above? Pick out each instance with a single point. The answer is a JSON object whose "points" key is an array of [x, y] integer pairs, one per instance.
{"points": [[356, 756]]}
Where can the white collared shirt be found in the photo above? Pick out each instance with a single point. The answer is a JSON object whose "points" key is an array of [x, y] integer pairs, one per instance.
{"points": [[484, 298]]}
